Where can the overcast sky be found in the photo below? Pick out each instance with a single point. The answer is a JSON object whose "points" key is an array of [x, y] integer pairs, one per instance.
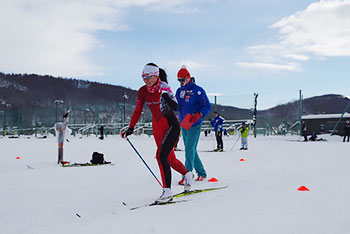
{"points": [[233, 48]]}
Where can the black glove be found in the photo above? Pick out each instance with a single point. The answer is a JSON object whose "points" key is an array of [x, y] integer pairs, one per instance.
{"points": [[128, 132]]}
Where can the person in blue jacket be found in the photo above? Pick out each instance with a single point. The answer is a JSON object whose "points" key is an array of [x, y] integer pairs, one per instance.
{"points": [[192, 100], [218, 123]]}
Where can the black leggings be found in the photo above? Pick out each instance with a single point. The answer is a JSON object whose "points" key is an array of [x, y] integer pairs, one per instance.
{"points": [[169, 141], [219, 139]]}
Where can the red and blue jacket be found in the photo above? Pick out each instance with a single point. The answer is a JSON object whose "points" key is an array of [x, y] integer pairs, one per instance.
{"points": [[192, 99]]}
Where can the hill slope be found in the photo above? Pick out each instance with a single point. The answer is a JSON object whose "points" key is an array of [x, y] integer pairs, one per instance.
{"points": [[32, 98]]}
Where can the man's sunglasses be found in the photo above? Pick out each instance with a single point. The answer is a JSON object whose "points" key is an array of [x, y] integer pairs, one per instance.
{"points": [[181, 79]]}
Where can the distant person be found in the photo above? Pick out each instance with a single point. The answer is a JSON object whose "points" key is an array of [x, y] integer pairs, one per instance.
{"points": [[218, 123], [192, 100], [346, 130], [313, 136], [101, 132], [304, 130], [166, 129], [244, 136], [61, 129]]}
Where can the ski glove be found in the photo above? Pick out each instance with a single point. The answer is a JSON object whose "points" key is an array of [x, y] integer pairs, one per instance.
{"points": [[128, 132], [195, 117]]}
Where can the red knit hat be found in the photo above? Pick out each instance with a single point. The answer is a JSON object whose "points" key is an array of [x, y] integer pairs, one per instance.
{"points": [[183, 73]]}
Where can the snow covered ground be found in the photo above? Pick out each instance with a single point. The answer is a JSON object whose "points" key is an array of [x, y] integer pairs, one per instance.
{"points": [[39, 197]]}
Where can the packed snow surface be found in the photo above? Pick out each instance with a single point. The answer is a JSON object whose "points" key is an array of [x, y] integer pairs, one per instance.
{"points": [[40, 197]]}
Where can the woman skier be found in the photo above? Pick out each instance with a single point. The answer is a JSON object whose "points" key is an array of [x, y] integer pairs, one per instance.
{"points": [[166, 128]]}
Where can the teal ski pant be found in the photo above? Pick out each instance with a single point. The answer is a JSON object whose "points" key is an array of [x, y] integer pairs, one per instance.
{"points": [[191, 138]]}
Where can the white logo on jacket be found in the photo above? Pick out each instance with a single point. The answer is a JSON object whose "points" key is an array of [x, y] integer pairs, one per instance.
{"points": [[182, 93]]}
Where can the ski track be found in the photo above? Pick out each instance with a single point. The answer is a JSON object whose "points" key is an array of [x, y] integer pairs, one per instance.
{"points": [[39, 197]]}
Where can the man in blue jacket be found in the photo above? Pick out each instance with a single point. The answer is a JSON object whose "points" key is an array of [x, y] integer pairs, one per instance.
{"points": [[218, 123], [192, 100]]}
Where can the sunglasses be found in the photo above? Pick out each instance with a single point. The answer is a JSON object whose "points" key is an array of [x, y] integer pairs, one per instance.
{"points": [[147, 77], [181, 79]]}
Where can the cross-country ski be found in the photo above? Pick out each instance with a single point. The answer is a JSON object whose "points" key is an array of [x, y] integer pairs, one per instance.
{"points": [[182, 194], [174, 117]]}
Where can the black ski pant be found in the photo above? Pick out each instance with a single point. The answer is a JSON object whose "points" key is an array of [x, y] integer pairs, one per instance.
{"points": [[220, 143], [305, 136], [166, 136], [345, 137]]}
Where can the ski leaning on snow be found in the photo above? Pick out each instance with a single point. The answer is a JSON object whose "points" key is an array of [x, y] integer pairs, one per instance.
{"points": [[84, 164], [182, 194]]}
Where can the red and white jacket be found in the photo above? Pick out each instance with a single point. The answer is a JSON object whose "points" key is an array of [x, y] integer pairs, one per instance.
{"points": [[161, 105]]}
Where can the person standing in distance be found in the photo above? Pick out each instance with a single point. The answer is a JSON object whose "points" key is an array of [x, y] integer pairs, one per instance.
{"points": [[192, 100], [304, 130], [346, 130], [156, 93], [218, 123], [244, 136]]}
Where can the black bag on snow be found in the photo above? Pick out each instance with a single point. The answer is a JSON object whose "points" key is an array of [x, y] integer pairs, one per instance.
{"points": [[97, 158]]}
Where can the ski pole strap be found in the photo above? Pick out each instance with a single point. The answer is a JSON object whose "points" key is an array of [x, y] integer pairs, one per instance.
{"points": [[144, 162]]}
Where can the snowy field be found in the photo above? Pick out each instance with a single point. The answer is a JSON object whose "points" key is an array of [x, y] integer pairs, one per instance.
{"points": [[39, 197]]}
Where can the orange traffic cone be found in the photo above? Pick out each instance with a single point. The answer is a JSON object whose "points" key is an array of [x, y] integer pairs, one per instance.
{"points": [[303, 188], [213, 180]]}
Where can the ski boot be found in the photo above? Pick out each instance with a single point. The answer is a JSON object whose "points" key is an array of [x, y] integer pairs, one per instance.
{"points": [[166, 196]]}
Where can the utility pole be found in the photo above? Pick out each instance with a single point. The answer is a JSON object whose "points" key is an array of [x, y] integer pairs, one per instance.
{"points": [[255, 112], [300, 111], [74, 121], [85, 112], [216, 107], [341, 117], [5, 108], [124, 99], [19, 121]]}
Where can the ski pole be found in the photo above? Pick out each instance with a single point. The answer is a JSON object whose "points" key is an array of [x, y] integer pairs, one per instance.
{"points": [[144, 162], [236, 142]]}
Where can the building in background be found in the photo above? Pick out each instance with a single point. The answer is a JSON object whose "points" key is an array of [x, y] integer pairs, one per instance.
{"points": [[325, 123]]}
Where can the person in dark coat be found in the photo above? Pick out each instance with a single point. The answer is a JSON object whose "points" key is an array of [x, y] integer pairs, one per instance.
{"points": [[346, 130], [304, 130], [101, 132], [218, 123], [313, 137]]}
